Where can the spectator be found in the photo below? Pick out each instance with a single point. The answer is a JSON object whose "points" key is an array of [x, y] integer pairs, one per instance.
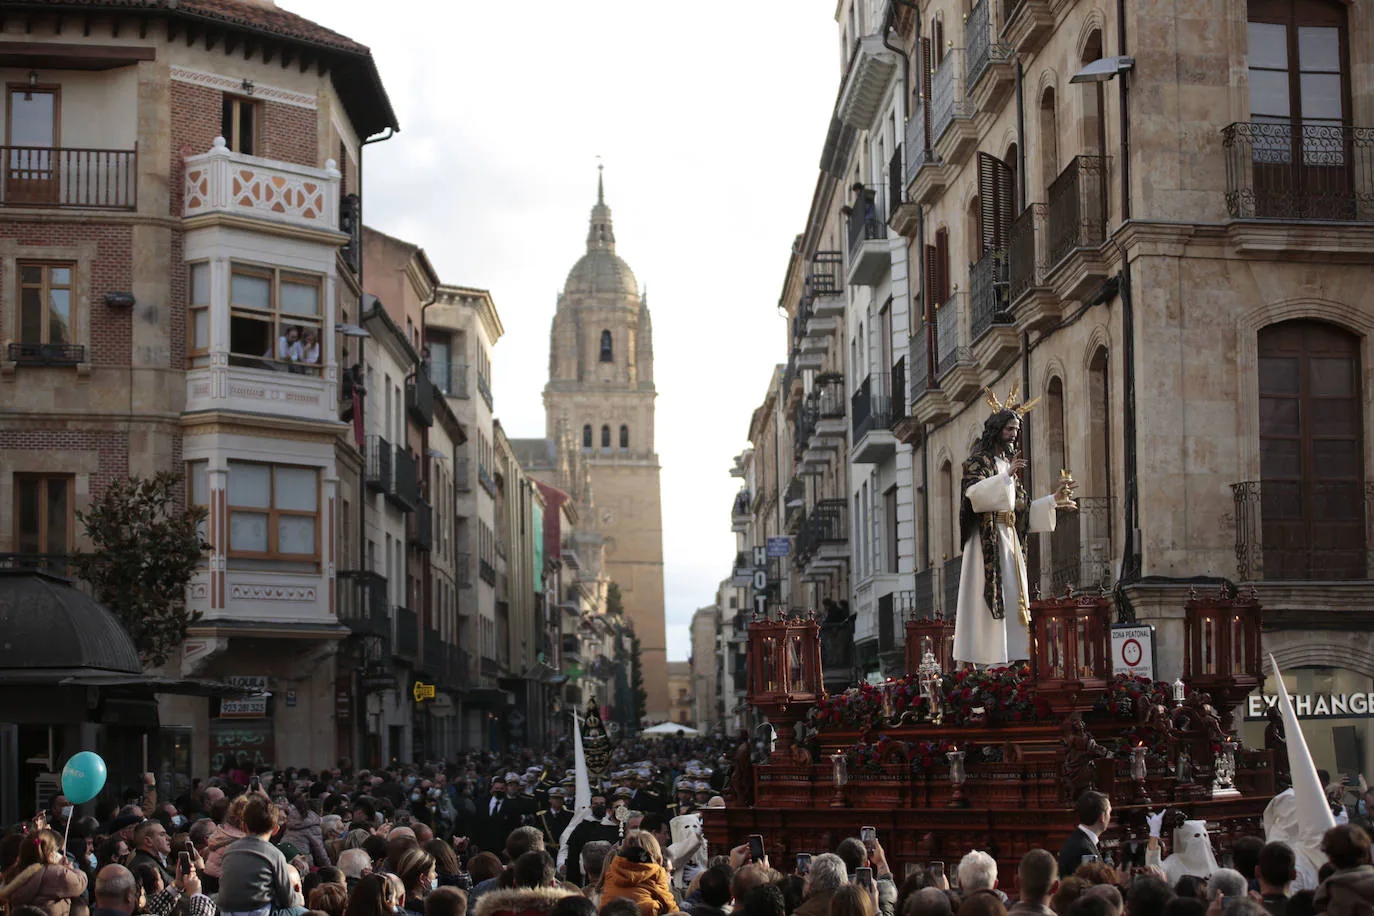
{"points": [[1302, 903], [520, 841], [229, 831], [446, 900], [1245, 855], [572, 905], [532, 893], [983, 902], [828, 874], [372, 896], [748, 878], [593, 862], [1148, 896], [1109, 893], [354, 864], [1226, 882], [1037, 878], [448, 873], [151, 847], [1349, 891], [1070, 889], [254, 872], [977, 872], [304, 828], [43, 877], [856, 855], [621, 906], [1185, 906], [1276, 870], [850, 900], [116, 891], [1094, 813], [534, 869], [417, 873], [928, 901], [714, 890], [637, 872], [766, 900], [1088, 904], [331, 899]]}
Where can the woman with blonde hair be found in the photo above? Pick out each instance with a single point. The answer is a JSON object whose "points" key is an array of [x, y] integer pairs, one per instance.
{"points": [[637, 873], [225, 834], [42, 876], [417, 873], [853, 900]]}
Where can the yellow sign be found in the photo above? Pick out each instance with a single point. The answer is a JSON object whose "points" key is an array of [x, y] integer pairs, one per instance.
{"points": [[423, 691]]}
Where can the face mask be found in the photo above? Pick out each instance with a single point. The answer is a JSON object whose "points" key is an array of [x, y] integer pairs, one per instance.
{"points": [[414, 796], [410, 780], [91, 859], [598, 811], [498, 793], [66, 812], [179, 820]]}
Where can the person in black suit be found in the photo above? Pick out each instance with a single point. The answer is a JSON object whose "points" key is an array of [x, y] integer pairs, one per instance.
{"points": [[1094, 812], [496, 818]]}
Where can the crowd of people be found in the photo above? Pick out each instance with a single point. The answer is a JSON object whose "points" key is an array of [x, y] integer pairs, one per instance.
{"points": [[497, 836]]}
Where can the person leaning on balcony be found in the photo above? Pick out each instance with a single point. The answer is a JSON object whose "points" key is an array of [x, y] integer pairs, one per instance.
{"points": [[288, 344], [309, 348]]}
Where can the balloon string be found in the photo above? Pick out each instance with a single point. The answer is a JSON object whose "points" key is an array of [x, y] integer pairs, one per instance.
{"points": [[65, 832]]}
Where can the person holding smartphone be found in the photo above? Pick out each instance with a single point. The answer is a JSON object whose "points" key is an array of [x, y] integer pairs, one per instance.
{"points": [[826, 875], [866, 851]]}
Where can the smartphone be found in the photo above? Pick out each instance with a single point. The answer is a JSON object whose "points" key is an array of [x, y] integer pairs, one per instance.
{"points": [[1088, 857], [254, 784], [937, 869], [869, 835], [911, 869], [189, 847], [863, 876], [184, 863], [756, 847], [803, 863]]}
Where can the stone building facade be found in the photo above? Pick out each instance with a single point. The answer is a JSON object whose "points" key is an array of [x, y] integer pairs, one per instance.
{"points": [[170, 211], [601, 387], [1158, 223]]}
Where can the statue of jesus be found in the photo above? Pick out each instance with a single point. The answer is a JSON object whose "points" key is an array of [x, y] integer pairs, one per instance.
{"points": [[992, 624]]}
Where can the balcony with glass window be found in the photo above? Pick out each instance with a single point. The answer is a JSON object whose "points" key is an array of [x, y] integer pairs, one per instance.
{"points": [[451, 379], [260, 341], [927, 399], [869, 253], [1076, 222], [1033, 304], [955, 368], [996, 342], [953, 133], [362, 604]]}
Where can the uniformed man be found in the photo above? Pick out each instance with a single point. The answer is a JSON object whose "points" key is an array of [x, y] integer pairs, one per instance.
{"points": [[686, 797], [702, 792], [647, 797], [553, 820]]}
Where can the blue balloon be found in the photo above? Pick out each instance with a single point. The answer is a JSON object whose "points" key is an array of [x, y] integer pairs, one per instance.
{"points": [[83, 777]]}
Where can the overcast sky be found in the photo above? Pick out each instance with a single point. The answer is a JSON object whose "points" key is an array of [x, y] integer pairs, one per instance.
{"points": [[709, 117]]}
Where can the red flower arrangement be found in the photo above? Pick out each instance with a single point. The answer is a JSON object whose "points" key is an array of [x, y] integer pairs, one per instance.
{"points": [[1002, 694], [1128, 697]]}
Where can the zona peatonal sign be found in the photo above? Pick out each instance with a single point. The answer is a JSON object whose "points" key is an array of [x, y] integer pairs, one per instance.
{"points": [[1133, 650]]}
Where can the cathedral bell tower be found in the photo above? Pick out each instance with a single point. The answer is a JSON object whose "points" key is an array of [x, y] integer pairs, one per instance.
{"points": [[601, 388]]}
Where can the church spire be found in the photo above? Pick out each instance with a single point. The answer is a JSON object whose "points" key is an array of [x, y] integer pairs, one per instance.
{"points": [[600, 236]]}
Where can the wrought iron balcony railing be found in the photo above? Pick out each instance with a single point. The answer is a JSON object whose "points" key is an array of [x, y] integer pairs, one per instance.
{"points": [[378, 473], [103, 179], [980, 50], [1081, 557], [896, 181], [947, 94], [1299, 172], [951, 335], [362, 602], [919, 361], [1025, 252], [918, 143], [1302, 530], [866, 222], [824, 524], [949, 586], [987, 289], [824, 278], [420, 398], [46, 354], [1078, 207], [871, 407], [405, 492]]}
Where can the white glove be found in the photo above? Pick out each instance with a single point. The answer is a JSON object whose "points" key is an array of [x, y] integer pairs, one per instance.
{"points": [[1156, 822]]}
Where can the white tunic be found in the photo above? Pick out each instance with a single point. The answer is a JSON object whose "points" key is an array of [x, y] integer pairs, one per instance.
{"points": [[978, 636]]}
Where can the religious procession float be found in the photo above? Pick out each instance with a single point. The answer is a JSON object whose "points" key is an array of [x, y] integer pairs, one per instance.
{"points": [[954, 756]]}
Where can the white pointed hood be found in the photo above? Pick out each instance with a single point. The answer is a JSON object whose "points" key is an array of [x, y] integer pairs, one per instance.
{"points": [[1299, 816]]}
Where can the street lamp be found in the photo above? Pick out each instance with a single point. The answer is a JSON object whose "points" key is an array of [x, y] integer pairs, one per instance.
{"points": [[1104, 69], [1101, 71]]}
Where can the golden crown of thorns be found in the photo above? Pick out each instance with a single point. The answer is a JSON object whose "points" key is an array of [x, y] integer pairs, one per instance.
{"points": [[1010, 402]]}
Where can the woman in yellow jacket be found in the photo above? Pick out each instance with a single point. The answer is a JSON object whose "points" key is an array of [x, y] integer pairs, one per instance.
{"points": [[637, 872]]}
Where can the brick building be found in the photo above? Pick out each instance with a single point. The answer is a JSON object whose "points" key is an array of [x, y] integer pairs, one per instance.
{"points": [[178, 277]]}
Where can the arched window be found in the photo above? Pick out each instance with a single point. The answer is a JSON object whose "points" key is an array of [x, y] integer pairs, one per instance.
{"points": [[605, 437], [949, 502], [624, 436], [1049, 139], [587, 436], [607, 350], [1311, 500], [1092, 98]]}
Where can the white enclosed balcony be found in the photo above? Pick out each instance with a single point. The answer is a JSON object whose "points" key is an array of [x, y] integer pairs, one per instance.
{"points": [[867, 83], [222, 181]]}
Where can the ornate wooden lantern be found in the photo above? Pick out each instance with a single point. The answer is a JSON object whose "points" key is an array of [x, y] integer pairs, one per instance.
{"points": [[784, 675], [929, 635], [1070, 656], [1221, 653]]}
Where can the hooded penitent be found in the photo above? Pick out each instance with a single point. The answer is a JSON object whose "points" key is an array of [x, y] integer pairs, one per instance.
{"points": [[1192, 853], [1299, 816]]}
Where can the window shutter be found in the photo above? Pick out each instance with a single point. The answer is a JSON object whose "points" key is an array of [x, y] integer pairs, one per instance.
{"points": [[926, 66], [933, 279], [942, 265], [996, 186]]}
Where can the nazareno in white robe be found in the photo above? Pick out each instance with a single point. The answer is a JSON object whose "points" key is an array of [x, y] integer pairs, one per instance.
{"points": [[978, 636]]}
